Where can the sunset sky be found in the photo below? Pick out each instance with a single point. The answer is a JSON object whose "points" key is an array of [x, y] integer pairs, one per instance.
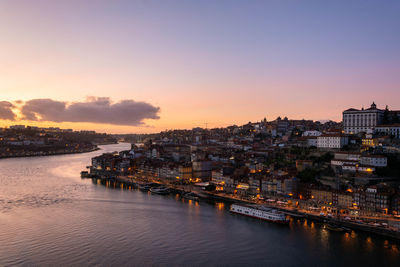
{"points": [[147, 66]]}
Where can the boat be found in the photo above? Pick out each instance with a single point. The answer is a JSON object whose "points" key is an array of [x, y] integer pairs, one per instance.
{"points": [[190, 195], [348, 230], [333, 227], [295, 215], [260, 212], [144, 187], [160, 190], [86, 174]]}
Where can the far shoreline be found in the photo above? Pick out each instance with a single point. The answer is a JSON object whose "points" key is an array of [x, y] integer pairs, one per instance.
{"points": [[51, 154]]}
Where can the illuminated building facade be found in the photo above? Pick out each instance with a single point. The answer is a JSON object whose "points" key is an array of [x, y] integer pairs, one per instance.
{"points": [[364, 120]]}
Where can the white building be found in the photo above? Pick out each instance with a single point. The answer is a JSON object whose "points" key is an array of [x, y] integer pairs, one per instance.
{"points": [[348, 156], [312, 133], [357, 168], [393, 130], [364, 120], [312, 142], [332, 141], [374, 160], [355, 162]]}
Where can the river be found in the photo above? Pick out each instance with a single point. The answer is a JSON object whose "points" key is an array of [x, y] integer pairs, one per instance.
{"points": [[49, 216]]}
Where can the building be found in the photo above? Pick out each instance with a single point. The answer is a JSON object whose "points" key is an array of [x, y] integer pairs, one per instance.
{"points": [[332, 141], [202, 169], [374, 160], [312, 141], [282, 125], [322, 196], [168, 171], [290, 187], [332, 198], [307, 141], [395, 204], [390, 130], [254, 185], [355, 162], [185, 171], [312, 133], [355, 156], [362, 120], [369, 142], [348, 167], [374, 199], [17, 127], [342, 199]]}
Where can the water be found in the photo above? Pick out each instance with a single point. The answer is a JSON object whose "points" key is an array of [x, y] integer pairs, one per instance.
{"points": [[49, 216]]}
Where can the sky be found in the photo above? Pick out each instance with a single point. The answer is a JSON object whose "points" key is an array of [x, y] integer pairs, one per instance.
{"points": [[147, 66]]}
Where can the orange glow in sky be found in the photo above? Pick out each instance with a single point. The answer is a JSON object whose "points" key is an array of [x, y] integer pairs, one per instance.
{"points": [[213, 63]]}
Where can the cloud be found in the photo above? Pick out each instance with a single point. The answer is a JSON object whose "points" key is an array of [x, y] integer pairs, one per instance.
{"points": [[6, 112], [93, 110]]}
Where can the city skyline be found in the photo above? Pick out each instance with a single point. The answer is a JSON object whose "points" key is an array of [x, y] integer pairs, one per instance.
{"points": [[18, 112], [199, 133], [195, 63]]}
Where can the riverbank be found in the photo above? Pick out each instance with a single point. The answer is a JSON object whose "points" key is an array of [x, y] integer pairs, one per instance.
{"points": [[105, 143], [318, 218], [121, 181], [52, 153], [83, 219]]}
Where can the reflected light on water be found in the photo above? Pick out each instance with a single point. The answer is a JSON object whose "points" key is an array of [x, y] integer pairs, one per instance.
{"points": [[386, 244], [353, 234], [324, 238], [346, 238], [220, 205], [369, 244], [38, 227]]}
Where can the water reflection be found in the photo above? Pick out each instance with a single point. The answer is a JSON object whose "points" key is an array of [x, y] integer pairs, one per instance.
{"points": [[369, 244], [220, 206], [54, 219], [324, 238]]}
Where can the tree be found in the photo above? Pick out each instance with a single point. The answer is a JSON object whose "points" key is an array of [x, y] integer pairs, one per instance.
{"points": [[308, 175]]}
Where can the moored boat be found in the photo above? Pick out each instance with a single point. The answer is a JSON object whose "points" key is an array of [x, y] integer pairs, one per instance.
{"points": [[160, 190], [144, 187], [190, 196], [333, 227], [260, 212], [295, 215]]}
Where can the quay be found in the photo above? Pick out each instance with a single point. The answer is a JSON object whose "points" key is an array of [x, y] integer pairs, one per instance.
{"points": [[132, 182], [317, 218]]}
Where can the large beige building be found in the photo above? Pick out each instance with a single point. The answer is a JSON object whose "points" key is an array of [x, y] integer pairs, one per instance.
{"points": [[362, 120]]}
